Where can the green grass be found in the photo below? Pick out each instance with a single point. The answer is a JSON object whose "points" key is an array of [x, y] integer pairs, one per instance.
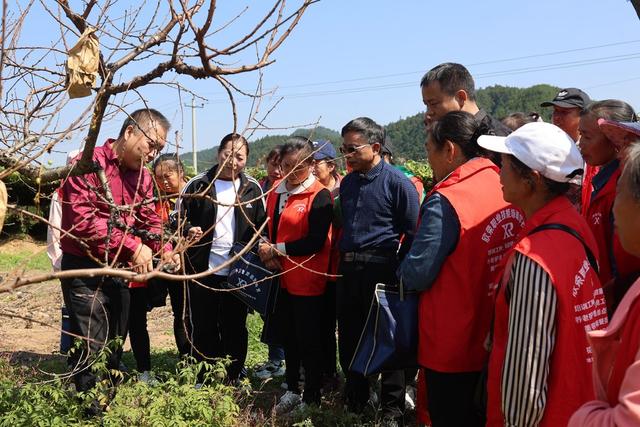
{"points": [[24, 259], [258, 351]]}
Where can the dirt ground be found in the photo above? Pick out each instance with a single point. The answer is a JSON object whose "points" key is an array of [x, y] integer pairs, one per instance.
{"points": [[30, 316]]}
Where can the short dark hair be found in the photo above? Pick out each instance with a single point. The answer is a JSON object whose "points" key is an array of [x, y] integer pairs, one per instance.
{"points": [[452, 77], [611, 109], [274, 153], [140, 120], [460, 128], [171, 159], [554, 188], [300, 144], [372, 131], [233, 137]]}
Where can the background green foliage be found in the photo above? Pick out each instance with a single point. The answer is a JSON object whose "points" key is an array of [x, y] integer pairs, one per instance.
{"points": [[407, 134], [407, 142]]}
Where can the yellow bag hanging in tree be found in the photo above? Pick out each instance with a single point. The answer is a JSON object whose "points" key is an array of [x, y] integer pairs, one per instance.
{"points": [[82, 65], [3, 203]]}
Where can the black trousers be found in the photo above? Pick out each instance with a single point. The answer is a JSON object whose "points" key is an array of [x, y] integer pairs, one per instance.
{"points": [[138, 333], [355, 290], [450, 398], [218, 324], [329, 330], [98, 310], [180, 316], [303, 342]]}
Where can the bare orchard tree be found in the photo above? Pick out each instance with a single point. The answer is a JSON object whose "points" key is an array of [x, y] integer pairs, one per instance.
{"points": [[164, 43], [154, 42]]}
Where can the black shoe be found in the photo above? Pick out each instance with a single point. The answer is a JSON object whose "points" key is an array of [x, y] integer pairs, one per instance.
{"points": [[93, 410]]}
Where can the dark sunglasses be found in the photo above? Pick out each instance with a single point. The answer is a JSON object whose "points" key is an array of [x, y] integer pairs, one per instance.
{"points": [[350, 149]]}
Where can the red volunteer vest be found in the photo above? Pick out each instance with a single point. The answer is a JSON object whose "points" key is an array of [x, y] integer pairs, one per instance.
{"points": [[598, 216], [309, 279], [581, 308], [455, 313], [587, 187]]}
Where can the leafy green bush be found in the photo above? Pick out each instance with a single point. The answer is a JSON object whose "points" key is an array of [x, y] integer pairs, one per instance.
{"points": [[422, 170], [49, 404], [172, 400], [256, 172], [175, 401]]}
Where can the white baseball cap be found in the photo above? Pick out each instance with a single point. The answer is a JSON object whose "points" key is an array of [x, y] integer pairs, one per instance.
{"points": [[543, 147]]}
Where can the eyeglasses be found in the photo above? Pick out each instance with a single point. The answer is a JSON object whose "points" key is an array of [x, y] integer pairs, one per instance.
{"points": [[350, 149]]}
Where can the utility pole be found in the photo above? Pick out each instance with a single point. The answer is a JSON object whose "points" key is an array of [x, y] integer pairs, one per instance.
{"points": [[193, 131]]}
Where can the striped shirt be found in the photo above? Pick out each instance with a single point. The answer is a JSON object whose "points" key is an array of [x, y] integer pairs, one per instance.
{"points": [[532, 332]]}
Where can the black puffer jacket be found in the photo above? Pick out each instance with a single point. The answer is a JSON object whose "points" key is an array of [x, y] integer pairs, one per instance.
{"points": [[201, 212]]}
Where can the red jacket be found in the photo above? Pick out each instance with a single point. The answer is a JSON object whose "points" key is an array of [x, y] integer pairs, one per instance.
{"points": [[162, 209], [86, 215], [587, 187], [598, 216], [455, 313], [310, 279], [614, 261], [580, 308], [616, 369]]}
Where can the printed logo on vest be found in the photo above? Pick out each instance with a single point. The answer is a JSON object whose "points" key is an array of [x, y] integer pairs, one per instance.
{"points": [[300, 208], [580, 277], [596, 218], [508, 214], [508, 230]]}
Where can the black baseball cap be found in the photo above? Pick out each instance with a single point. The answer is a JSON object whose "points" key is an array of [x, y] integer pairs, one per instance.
{"points": [[570, 97]]}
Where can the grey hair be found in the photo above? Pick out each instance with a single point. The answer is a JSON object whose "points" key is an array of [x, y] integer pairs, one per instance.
{"points": [[632, 170]]}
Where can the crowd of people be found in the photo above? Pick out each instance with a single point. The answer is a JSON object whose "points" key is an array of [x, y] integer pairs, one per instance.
{"points": [[525, 255]]}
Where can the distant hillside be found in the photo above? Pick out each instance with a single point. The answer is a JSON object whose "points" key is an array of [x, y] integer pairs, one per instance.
{"points": [[259, 148], [407, 134]]}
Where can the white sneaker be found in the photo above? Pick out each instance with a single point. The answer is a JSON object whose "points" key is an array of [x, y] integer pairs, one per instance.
{"points": [[270, 369], [287, 402], [410, 398]]}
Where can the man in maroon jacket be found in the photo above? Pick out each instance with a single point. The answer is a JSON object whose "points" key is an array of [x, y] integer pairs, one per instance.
{"points": [[124, 232]]}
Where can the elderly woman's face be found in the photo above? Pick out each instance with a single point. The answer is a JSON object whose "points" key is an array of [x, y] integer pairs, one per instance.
{"points": [[594, 146], [627, 219], [323, 169], [514, 187]]}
